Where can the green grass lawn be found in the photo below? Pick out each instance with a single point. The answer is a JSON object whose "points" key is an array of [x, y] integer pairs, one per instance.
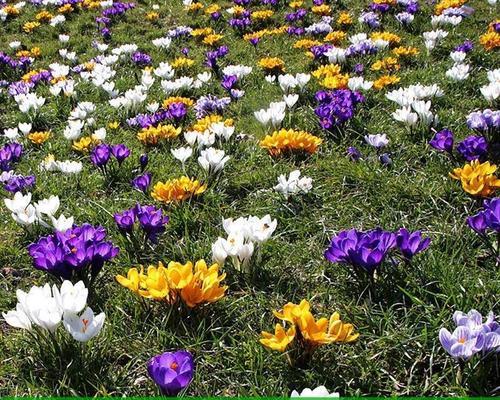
{"points": [[398, 317]]}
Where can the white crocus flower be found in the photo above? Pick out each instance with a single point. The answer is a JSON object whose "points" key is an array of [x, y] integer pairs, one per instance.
{"points": [[378, 140], [47, 206], [406, 116], [84, 327], [25, 217], [71, 298], [18, 203], [290, 99], [182, 153], [262, 228], [62, 224], [212, 160], [294, 184], [219, 254], [17, 318], [221, 130], [318, 392], [25, 128], [458, 72], [41, 307]]}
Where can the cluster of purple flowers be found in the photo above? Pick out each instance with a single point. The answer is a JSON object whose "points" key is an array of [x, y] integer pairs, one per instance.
{"points": [[320, 50], [213, 56], [336, 107], [172, 371], [19, 183], [22, 63], [488, 218], [295, 31], [210, 104], [296, 16], [242, 22], [471, 335], [465, 47], [370, 18], [484, 121], [151, 221], [230, 83], [473, 147], [175, 111], [363, 47], [118, 8], [141, 59], [9, 154], [73, 252], [368, 250], [101, 154], [179, 31]]}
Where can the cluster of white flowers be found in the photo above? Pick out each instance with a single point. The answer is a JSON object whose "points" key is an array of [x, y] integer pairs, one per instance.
{"points": [[243, 236], [294, 184], [414, 109], [47, 307], [491, 91], [27, 214]]}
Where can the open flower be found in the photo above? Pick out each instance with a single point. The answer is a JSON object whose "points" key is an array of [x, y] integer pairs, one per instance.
{"points": [[477, 178], [306, 333], [176, 190], [84, 327], [290, 140], [172, 371]]}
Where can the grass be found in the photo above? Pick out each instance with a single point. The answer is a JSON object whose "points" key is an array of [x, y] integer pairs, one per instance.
{"points": [[398, 352]]}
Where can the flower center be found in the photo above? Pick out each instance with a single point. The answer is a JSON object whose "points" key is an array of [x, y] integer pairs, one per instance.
{"points": [[85, 323], [174, 366], [461, 340]]}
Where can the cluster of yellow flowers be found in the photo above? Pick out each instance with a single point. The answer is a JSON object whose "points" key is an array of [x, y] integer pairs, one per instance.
{"points": [[261, 15], [306, 44], [182, 62], [322, 9], [387, 64], [335, 37], [290, 140], [194, 7], [477, 178], [204, 123], [34, 52], [152, 16], [65, 9], [212, 39], [272, 64], [390, 37], [344, 19], [405, 51], [330, 76], [177, 99], [84, 144], [384, 81], [265, 32], [152, 135], [44, 16], [11, 11], [444, 4], [305, 332], [39, 137], [213, 8], [194, 286], [177, 190], [30, 26], [491, 39]]}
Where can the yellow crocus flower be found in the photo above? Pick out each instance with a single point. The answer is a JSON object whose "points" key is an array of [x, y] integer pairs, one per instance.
{"points": [[280, 340]]}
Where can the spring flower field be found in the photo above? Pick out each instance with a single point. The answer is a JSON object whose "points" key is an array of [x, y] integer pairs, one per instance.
{"points": [[288, 198]]}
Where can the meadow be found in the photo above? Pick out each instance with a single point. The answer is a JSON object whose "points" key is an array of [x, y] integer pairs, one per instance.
{"points": [[106, 105]]}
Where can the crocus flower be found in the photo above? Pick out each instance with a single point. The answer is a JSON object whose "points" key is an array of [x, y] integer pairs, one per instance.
{"points": [[473, 147], [462, 343], [317, 392], [443, 141], [120, 152], [152, 221], [142, 182], [411, 243], [172, 371], [143, 161], [84, 327], [366, 250], [100, 155], [125, 220]]}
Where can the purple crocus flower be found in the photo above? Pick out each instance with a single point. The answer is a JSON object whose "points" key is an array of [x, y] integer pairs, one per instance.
{"points": [[151, 220], [142, 182], [141, 59], [143, 161], [172, 371], [336, 107], [100, 155], [120, 152], [411, 243], [74, 251], [254, 41], [19, 183], [465, 47], [462, 343], [366, 250], [473, 147], [353, 153], [228, 81], [125, 220], [473, 320], [478, 222], [443, 141]]}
